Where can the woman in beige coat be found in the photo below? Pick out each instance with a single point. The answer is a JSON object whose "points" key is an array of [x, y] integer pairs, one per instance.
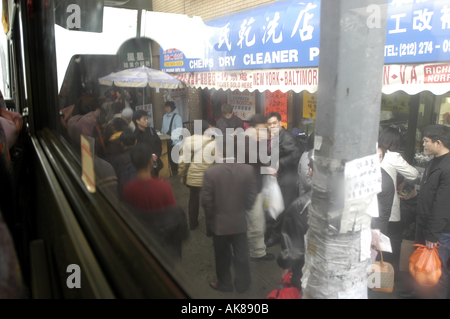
{"points": [[197, 155]]}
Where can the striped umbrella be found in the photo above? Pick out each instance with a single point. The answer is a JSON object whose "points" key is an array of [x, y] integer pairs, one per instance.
{"points": [[141, 77]]}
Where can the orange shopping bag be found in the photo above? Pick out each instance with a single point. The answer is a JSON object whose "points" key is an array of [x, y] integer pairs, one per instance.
{"points": [[425, 265]]}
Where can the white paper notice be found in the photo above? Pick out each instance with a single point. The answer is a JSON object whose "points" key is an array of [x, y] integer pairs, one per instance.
{"points": [[362, 182], [362, 177]]}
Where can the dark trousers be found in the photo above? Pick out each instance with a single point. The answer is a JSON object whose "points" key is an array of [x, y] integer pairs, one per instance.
{"points": [[194, 206], [397, 231], [230, 249], [173, 165], [273, 227]]}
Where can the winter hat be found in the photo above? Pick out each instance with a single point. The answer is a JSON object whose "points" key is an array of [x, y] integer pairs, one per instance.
{"points": [[127, 113]]}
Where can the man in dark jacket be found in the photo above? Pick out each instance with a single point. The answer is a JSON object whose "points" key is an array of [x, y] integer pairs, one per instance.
{"points": [[149, 136], [229, 120], [229, 190], [288, 152], [433, 204], [122, 165], [293, 231], [255, 139]]}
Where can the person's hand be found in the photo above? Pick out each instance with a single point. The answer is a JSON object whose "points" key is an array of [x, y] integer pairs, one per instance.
{"points": [[182, 180], [430, 245], [272, 171], [401, 195]]}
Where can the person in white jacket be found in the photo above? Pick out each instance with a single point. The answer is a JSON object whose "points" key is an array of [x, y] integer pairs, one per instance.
{"points": [[394, 164]]}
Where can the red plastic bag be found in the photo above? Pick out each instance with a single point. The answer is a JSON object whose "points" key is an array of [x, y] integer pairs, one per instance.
{"points": [[285, 290], [425, 265]]}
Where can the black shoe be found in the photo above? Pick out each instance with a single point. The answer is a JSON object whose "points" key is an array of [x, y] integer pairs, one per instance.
{"points": [[266, 257], [271, 242], [215, 285], [407, 295]]}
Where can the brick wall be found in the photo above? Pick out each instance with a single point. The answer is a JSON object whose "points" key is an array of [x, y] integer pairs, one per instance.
{"points": [[206, 9]]}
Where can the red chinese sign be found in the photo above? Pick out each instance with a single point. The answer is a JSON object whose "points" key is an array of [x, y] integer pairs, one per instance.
{"points": [[277, 102]]}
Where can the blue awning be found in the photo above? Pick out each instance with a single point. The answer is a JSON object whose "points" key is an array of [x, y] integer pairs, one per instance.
{"points": [[286, 34], [282, 33]]}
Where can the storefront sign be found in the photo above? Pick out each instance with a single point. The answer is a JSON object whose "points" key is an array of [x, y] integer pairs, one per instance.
{"points": [[433, 77], [309, 105], [418, 31], [286, 34], [271, 80], [277, 102], [243, 104]]}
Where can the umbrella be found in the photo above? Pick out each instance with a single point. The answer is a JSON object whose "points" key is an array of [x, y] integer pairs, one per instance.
{"points": [[141, 77]]}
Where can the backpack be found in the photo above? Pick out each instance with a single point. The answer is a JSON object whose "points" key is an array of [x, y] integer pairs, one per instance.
{"points": [[128, 173], [285, 290], [301, 137]]}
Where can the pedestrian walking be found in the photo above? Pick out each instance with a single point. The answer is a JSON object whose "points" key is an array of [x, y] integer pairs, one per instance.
{"points": [[229, 190], [194, 161]]}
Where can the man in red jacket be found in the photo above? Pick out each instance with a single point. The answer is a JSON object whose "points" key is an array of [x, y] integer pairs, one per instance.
{"points": [[147, 192]]}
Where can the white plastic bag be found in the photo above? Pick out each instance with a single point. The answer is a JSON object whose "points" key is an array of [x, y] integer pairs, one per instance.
{"points": [[272, 197]]}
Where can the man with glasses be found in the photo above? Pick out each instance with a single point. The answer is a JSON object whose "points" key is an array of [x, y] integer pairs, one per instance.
{"points": [[433, 206], [289, 153]]}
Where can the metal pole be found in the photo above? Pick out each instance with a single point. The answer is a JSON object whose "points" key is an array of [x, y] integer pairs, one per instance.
{"points": [[352, 39]]}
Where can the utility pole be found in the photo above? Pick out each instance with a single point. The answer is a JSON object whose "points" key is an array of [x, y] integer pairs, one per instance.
{"points": [[352, 40]]}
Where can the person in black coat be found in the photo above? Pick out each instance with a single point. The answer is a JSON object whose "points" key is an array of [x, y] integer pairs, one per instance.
{"points": [[288, 152], [229, 120], [293, 231], [146, 134], [433, 203]]}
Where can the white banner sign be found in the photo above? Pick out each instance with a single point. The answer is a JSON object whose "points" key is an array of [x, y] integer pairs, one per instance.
{"points": [[243, 104], [433, 77], [262, 80]]}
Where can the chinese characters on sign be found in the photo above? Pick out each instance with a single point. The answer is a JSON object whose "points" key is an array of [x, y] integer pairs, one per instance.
{"points": [[135, 60], [273, 80], [362, 177], [243, 103], [286, 34], [417, 31], [309, 105], [277, 102], [281, 38]]}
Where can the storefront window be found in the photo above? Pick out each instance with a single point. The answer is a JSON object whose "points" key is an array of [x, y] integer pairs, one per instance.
{"points": [[305, 108], [395, 109], [444, 112]]}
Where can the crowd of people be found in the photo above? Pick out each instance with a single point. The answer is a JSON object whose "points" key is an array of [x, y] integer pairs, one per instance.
{"points": [[230, 187], [128, 160]]}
